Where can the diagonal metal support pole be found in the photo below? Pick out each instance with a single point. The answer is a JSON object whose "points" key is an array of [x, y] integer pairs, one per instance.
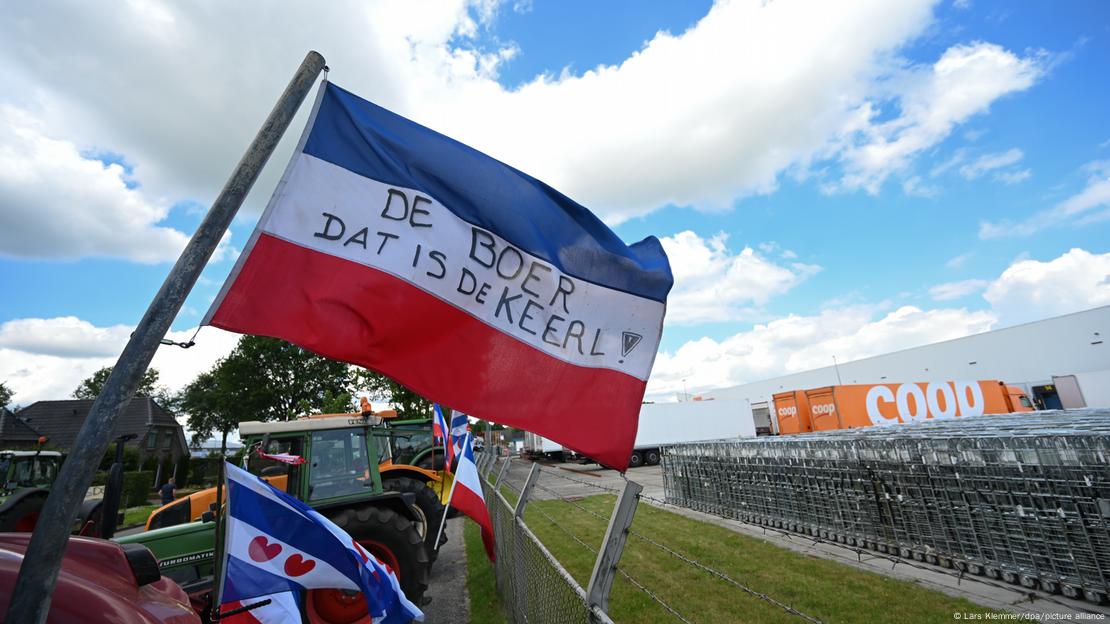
{"points": [[526, 491], [39, 572], [605, 568], [501, 473]]}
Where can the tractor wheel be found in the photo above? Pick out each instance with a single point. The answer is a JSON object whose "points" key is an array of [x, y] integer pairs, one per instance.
{"points": [[20, 513], [427, 501], [390, 538]]}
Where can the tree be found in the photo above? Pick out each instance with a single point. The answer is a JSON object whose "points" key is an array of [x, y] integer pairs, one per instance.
{"points": [[148, 386], [407, 403], [5, 395], [264, 379]]}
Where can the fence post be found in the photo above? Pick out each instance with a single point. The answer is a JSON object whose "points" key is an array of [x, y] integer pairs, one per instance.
{"points": [[605, 568], [501, 473], [526, 491]]}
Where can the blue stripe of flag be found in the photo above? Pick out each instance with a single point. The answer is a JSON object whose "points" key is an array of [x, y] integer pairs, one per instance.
{"points": [[245, 581], [373, 142]]}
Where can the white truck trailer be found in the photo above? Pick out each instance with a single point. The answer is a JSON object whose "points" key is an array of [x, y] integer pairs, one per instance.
{"points": [[662, 424]]}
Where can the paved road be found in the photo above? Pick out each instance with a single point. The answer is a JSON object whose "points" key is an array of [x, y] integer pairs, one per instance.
{"points": [[450, 602], [569, 480]]}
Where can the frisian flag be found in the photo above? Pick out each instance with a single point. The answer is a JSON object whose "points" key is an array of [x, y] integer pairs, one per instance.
{"points": [[274, 544], [394, 247]]}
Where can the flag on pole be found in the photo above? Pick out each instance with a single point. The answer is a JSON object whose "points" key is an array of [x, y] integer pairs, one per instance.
{"points": [[274, 543], [460, 425], [441, 430], [391, 246], [466, 495], [284, 607], [285, 458]]}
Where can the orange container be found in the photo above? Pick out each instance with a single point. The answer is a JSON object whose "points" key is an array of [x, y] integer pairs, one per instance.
{"points": [[852, 406], [792, 412]]}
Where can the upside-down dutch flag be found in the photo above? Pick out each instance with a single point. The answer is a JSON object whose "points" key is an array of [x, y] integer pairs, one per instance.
{"points": [[467, 497], [391, 246], [277, 547], [460, 426], [441, 430]]}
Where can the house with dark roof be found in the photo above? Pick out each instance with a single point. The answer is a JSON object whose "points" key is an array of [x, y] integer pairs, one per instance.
{"points": [[15, 434], [157, 433]]}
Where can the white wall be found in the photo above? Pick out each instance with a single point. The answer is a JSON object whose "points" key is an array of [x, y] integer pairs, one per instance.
{"points": [[1095, 386], [1023, 355]]}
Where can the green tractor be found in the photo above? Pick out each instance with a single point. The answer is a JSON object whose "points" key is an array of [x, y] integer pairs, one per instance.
{"points": [[27, 477], [341, 479]]}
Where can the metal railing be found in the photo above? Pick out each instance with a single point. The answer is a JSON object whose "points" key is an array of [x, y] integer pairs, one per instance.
{"points": [[1022, 498]]}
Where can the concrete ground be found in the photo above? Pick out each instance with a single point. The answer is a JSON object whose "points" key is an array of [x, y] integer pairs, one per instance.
{"points": [[592, 479], [450, 602]]}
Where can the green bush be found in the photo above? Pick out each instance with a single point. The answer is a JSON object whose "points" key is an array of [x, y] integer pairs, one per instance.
{"points": [[183, 466], [136, 488]]}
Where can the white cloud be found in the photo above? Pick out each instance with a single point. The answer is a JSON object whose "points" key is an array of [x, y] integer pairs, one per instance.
{"points": [[180, 88], [1013, 177], [56, 203], [958, 261], [43, 359], [956, 290], [1090, 205], [1030, 289], [991, 162], [714, 284], [964, 82], [798, 343]]}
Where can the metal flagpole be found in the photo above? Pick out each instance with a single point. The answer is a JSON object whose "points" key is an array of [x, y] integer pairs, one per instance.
{"points": [[39, 572], [446, 508]]}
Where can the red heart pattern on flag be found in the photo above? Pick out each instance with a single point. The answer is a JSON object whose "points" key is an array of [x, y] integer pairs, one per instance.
{"points": [[261, 550], [296, 565]]}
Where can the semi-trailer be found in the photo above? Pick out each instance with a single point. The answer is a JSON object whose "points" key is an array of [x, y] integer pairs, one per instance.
{"points": [[867, 405], [662, 424]]}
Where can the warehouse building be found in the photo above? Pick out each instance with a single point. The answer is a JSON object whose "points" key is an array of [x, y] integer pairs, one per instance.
{"points": [[1061, 362]]}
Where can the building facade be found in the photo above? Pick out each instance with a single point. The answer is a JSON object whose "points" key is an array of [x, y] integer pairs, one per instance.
{"points": [[1061, 362]]}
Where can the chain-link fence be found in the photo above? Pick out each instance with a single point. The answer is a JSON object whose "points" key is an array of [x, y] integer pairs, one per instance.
{"points": [[1023, 498], [535, 587], [531, 583]]}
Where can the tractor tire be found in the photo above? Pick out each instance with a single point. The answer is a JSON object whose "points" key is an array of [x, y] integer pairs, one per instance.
{"points": [[20, 513], [390, 538], [427, 501]]}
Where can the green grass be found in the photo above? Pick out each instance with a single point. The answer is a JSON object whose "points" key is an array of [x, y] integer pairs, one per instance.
{"points": [[827, 590], [138, 515], [480, 582]]}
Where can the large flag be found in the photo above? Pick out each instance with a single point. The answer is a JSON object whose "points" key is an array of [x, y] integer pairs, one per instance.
{"points": [[396, 248], [467, 497], [274, 543]]}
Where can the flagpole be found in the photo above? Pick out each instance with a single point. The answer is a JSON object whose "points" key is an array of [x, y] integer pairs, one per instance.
{"points": [[38, 573], [447, 507], [220, 547]]}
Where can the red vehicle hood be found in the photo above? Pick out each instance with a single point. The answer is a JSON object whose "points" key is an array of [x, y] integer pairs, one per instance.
{"points": [[96, 584]]}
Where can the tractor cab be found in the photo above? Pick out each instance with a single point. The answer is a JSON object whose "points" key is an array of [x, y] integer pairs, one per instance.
{"points": [[28, 469]]}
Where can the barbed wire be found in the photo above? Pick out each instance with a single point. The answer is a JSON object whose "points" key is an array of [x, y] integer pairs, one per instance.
{"points": [[724, 577], [562, 528], [579, 481], [1029, 595], [688, 560], [652, 595]]}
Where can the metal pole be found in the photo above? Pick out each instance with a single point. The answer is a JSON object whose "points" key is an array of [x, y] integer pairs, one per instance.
{"points": [[39, 571], [605, 568], [526, 491]]}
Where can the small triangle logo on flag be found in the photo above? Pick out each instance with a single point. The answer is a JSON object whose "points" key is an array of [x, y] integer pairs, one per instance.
{"points": [[629, 341]]}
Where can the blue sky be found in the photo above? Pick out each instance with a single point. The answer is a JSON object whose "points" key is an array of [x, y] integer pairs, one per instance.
{"points": [[827, 180]]}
